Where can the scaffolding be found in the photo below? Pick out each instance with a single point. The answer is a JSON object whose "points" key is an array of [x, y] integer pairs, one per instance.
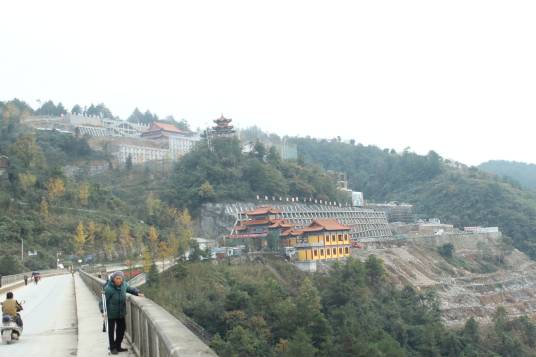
{"points": [[364, 223]]}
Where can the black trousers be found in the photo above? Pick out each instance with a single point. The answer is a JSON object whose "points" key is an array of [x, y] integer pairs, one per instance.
{"points": [[121, 325]]}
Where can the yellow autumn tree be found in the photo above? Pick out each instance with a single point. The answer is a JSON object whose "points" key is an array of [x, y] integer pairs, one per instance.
{"points": [[152, 236], [147, 260], [43, 209], [79, 239], [109, 238], [165, 252], [174, 244], [27, 181], [83, 194], [55, 188], [125, 239], [185, 231], [152, 204], [27, 151], [90, 238]]}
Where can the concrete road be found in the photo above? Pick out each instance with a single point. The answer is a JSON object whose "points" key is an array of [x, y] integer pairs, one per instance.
{"points": [[49, 315]]}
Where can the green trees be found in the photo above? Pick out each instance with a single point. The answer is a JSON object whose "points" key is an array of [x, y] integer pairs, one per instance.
{"points": [[350, 311], [77, 109], [223, 173], [144, 118], [10, 265], [26, 152], [49, 108], [438, 188], [516, 172], [99, 110], [446, 250]]}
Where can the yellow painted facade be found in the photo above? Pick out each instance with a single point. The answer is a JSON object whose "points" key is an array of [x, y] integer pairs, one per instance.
{"points": [[327, 245]]}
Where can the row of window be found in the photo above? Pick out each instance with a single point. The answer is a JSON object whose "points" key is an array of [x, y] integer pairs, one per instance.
{"points": [[329, 251], [334, 237]]}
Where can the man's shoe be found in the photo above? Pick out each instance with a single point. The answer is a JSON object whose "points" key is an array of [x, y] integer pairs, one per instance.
{"points": [[113, 351], [121, 349]]}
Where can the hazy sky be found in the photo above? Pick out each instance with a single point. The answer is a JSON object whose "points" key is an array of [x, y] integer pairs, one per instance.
{"points": [[458, 77]]}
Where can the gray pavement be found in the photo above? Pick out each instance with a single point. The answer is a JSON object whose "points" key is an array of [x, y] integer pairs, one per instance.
{"points": [[61, 319], [49, 317]]}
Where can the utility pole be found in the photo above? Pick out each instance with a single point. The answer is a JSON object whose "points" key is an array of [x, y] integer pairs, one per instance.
{"points": [[22, 250]]}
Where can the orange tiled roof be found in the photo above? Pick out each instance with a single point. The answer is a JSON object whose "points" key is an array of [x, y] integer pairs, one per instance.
{"points": [[255, 222], [326, 224], [291, 232], [279, 222], [166, 127], [262, 210]]}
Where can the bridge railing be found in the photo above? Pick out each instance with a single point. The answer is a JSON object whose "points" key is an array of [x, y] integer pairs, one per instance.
{"points": [[152, 331]]}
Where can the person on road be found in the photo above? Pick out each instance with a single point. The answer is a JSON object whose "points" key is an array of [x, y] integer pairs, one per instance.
{"points": [[25, 279], [115, 291], [12, 307]]}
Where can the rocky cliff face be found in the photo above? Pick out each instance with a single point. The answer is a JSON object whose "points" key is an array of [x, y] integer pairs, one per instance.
{"points": [[482, 275]]}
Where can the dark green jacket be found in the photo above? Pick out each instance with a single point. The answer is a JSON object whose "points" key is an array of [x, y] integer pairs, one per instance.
{"points": [[116, 298]]}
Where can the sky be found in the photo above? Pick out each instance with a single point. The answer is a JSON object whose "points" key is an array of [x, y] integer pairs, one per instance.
{"points": [[456, 77]]}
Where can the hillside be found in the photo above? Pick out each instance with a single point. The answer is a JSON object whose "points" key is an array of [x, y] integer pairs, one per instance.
{"points": [[457, 194], [65, 197], [52, 198], [520, 172]]}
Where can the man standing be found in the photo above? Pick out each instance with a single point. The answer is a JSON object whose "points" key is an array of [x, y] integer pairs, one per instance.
{"points": [[116, 296], [25, 279]]}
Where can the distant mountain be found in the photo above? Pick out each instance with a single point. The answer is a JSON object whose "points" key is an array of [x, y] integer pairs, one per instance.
{"points": [[460, 195], [521, 172]]}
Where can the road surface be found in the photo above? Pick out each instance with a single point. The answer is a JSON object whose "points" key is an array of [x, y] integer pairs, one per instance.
{"points": [[49, 315]]}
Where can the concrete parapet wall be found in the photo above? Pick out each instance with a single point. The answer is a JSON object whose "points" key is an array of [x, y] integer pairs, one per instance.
{"points": [[152, 331]]}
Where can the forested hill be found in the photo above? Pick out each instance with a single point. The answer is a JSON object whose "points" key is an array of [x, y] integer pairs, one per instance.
{"points": [[521, 172], [128, 210], [464, 196]]}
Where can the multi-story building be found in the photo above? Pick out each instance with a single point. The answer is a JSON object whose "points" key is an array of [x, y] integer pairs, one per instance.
{"points": [[258, 223], [323, 239], [140, 153], [179, 142]]}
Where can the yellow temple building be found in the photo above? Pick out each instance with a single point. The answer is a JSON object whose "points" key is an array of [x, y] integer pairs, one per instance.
{"points": [[323, 239]]}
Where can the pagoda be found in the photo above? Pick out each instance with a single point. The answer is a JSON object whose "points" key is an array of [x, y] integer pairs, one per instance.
{"points": [[222, 128]]}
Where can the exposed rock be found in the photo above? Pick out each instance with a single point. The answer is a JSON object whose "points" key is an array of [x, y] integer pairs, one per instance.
{"points": [[464, 291]]}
